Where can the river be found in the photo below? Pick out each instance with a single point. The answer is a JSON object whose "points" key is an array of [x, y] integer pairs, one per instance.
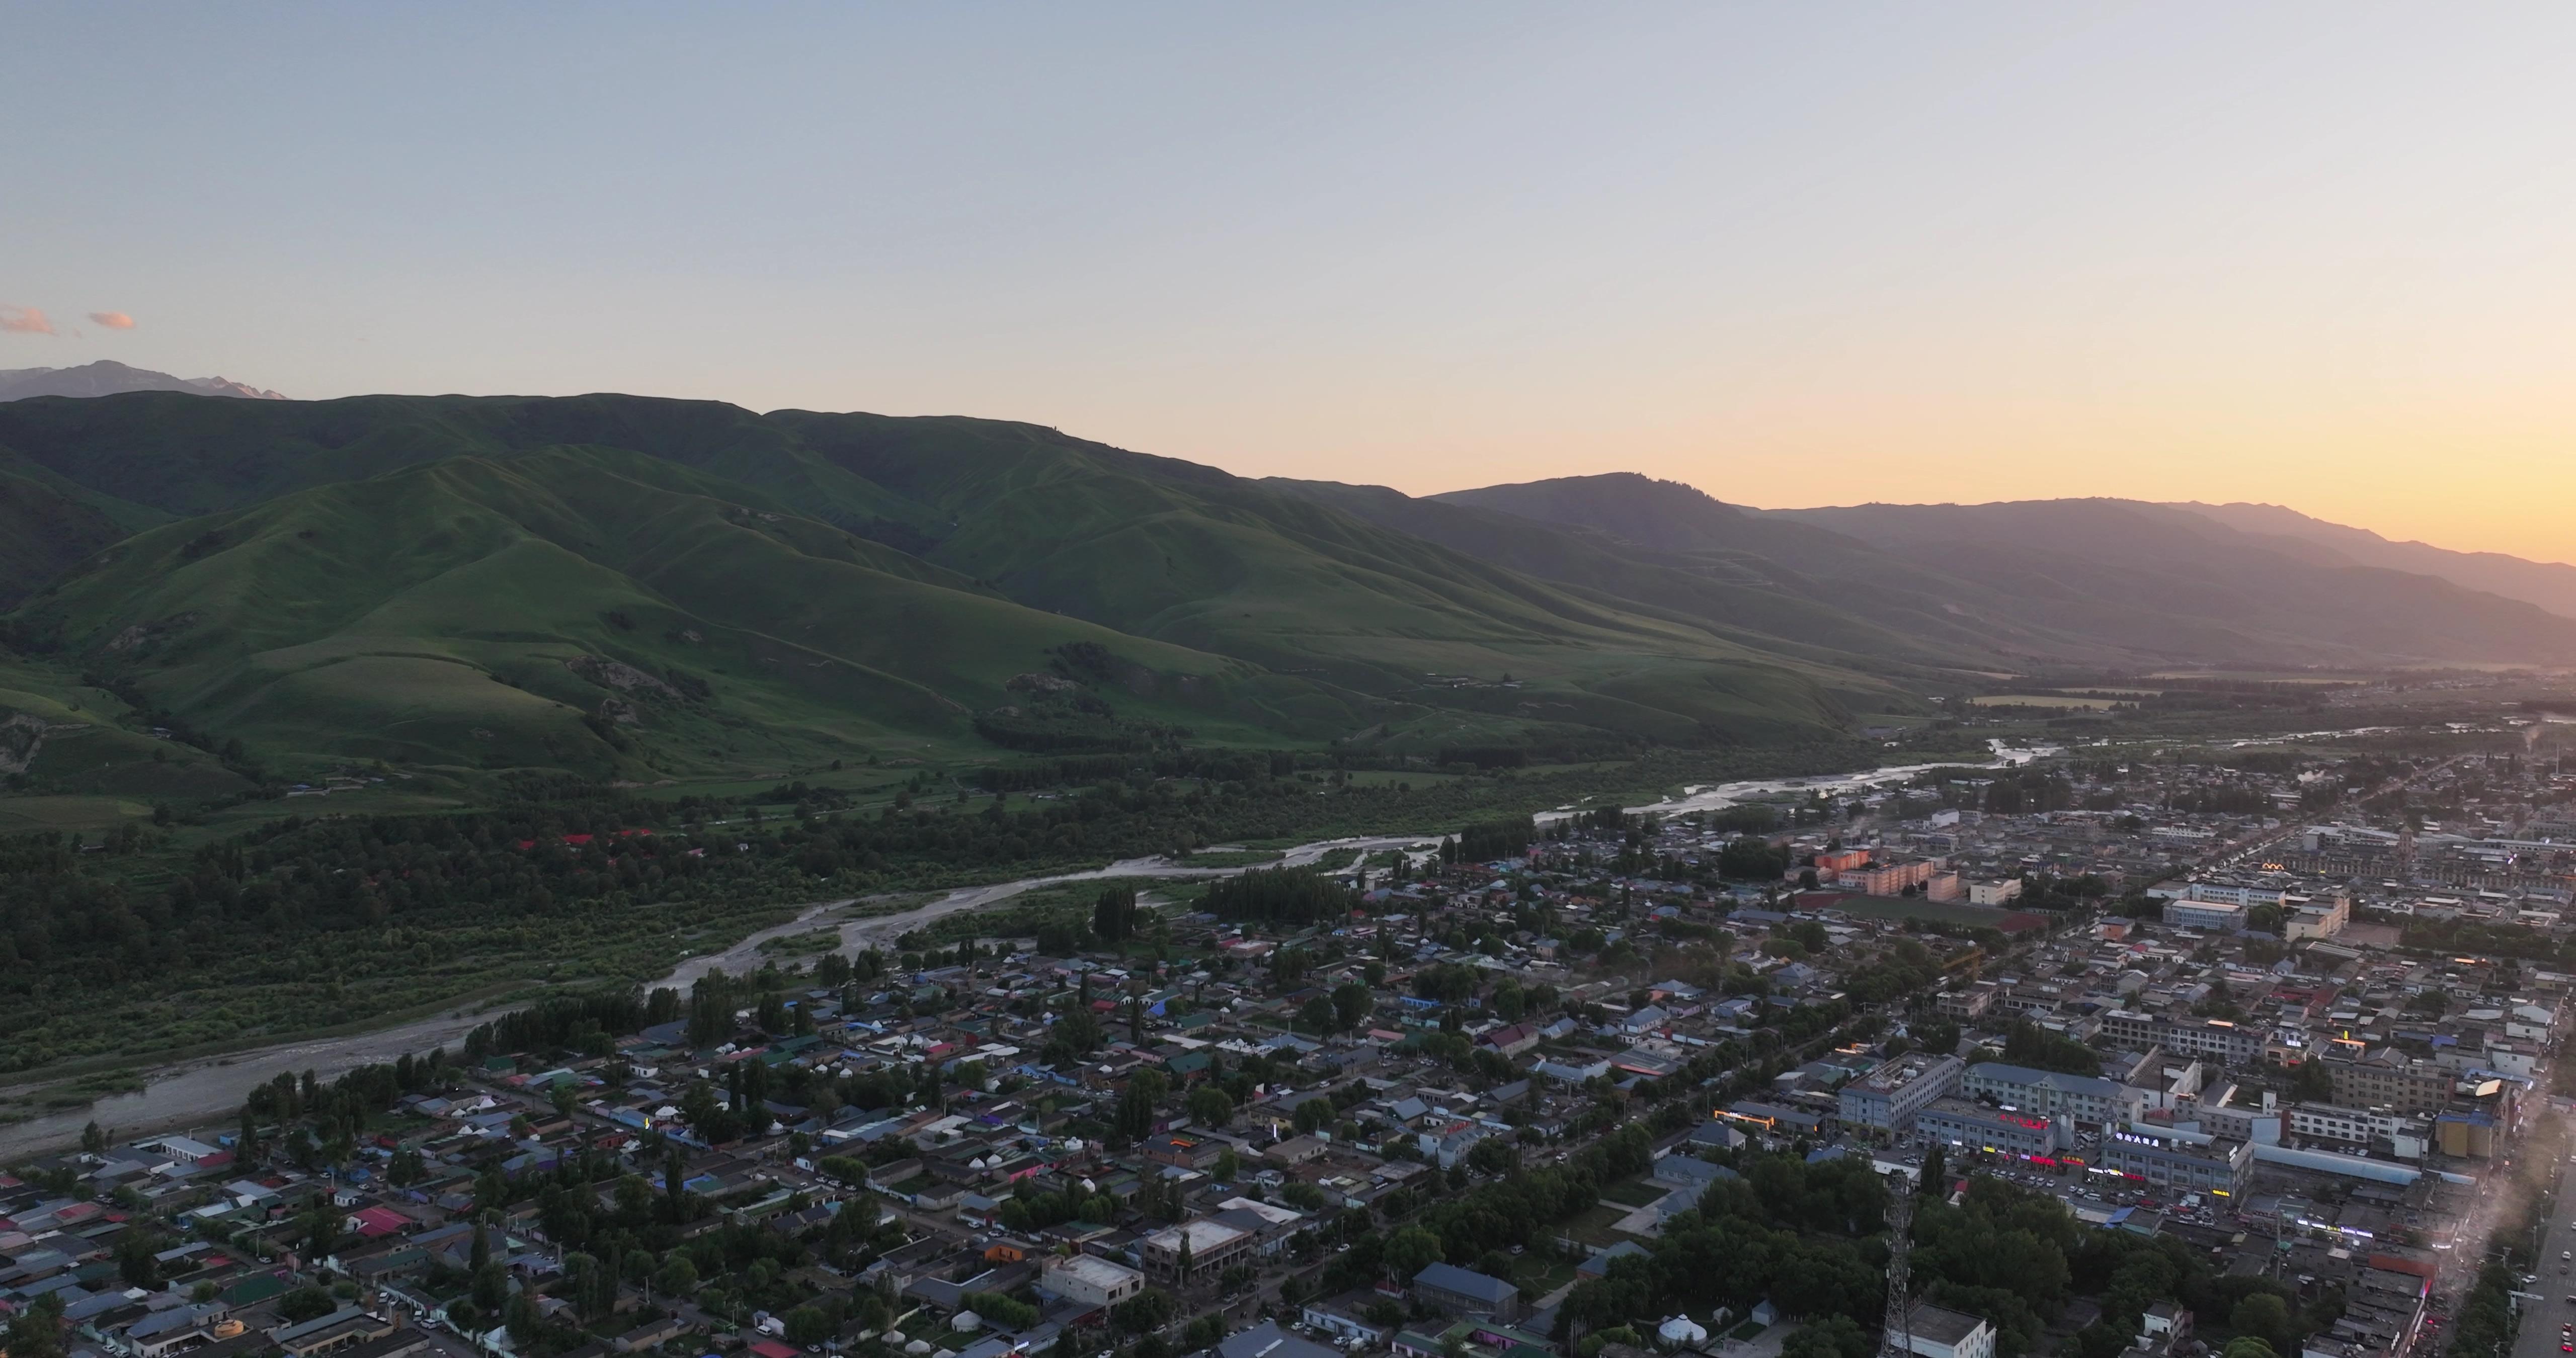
{"points": [[204, 1094]]}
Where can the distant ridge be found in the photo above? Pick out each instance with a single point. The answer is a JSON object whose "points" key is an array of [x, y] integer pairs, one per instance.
{"points": [[107, 377], [2550, 584]]}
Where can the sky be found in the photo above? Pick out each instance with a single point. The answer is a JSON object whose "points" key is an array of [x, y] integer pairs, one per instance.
{"points": [[2305, 253]]}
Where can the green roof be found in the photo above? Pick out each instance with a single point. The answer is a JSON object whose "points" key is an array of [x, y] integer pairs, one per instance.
{"points": [[250, 1290]]}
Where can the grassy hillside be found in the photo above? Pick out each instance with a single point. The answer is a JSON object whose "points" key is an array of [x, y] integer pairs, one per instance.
{"points": [[1866, 612], [2171, 583], [1335, 627], [2048, 582], [598, 611]]}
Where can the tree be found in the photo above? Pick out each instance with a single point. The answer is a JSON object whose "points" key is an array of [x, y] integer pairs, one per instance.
{"points": [[37, 1330], [321, 1230], [2247, 1346], [2262, 1316], [491, 1287], [1411, 1250], [1831, 1337], [2311, 1082], [302, 1304], [93, 1138], [1352, 1002], [1229, 1166], [1318, 1014], [677, 1277], [1210, 1106], [807, 1325], [1113, 914], [1936, 1173]]}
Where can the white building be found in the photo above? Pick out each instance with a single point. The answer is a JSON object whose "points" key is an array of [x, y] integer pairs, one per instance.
{"points": [[2003, 892], [1937, 1332], [1090, 1280]]}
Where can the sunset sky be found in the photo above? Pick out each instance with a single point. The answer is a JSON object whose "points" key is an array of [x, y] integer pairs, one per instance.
{"points": [[2311, 254]]}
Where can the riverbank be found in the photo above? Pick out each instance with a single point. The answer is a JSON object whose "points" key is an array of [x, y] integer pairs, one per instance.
{"points": [[204, 1094]]}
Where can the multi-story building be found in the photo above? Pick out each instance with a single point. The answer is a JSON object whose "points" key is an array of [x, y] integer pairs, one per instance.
{"points": [[1833, 861], [2352, 1128], [2310, 917], [2002, 892], [1970, 1003], [2385, 1080], [1889, 879], [2218, 916], [2177, 1160], [1213, 1248], [1937, 1332], [2242, 895], [2088, 1099], [1090, 1280], [2208, 1039], [1965, 1122], [1887, 1098]]}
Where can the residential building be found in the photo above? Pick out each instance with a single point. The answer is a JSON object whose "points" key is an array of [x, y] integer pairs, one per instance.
{"points": [[2386, 1080], [1887, 1098], [1090, 1280], [1969, 1003], [2310, 918], [2217, 916], [1965, 1122], [1938, 1332], [1889, 879], [1213, 1248], [1465, 1292], [2088, 1099], [2179, 1160], [2003, 891], [1267, 1340]]}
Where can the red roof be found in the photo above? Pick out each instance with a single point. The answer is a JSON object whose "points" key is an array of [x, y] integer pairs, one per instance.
{"points": [[376, 1221], [771, 1348]]}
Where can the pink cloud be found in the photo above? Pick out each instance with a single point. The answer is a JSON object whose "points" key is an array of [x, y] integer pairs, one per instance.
{"points": [[24, 320], [113, 320]]}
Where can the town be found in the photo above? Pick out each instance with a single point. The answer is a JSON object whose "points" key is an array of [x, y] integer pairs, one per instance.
{"points": [[2092, 1055]]}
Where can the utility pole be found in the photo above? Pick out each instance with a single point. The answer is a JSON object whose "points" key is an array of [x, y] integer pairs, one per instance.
{"points": [[1898, 1341]]}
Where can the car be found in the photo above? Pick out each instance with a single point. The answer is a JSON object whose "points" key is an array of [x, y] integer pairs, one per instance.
{"points": [[2567, 1346]]}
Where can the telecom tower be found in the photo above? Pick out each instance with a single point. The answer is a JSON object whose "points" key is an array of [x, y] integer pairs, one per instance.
{"points": [[1899, 1341]]}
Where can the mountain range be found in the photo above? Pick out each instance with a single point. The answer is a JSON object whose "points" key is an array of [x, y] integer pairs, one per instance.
{"points": [[107, 377], [638, 587]]}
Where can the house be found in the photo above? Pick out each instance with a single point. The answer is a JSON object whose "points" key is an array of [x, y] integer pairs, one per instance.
{"points": [[1183, 1152], [1267, 1340], [1211, 1248], [1938, 1332], [1598, 1266], [1296, 1150], [1090, 1280], [1683, 1171], [1465, 1292], [1348, 1316]]}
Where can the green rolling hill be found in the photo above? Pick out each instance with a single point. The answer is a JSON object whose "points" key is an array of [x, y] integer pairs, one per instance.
{"points": [[645, 588], [2085, 581]]}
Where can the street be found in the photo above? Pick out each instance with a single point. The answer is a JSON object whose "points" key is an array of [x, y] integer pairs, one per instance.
{"points": [[2539, 1335]]}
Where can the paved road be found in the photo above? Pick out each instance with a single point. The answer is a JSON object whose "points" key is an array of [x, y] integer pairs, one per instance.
{"points": [[2539, 1335], [207, 1092]]}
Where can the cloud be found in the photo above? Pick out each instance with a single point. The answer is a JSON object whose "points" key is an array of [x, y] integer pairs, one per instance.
{"points": [[24, 320], [113, 320]]}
